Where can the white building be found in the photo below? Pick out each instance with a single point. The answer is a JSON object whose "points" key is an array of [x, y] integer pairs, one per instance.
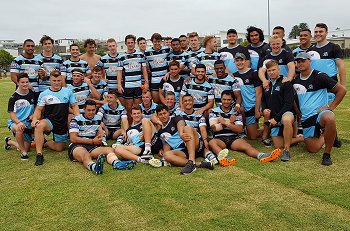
{"points": [[63, 45], [10, 46]]}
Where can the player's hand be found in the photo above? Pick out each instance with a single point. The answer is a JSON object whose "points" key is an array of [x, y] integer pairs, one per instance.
{"points": [[286, 80], [222, 120], [265, 83], [161, 152], [166, 76], [30, 87], [199, 111], [273, 122], [187, 80], [323, 108], [206, 144], [185, 137], [120, 89], [35, 123], [232, 118], [87, 81], [141, 137], [237, 107], [98, 139], [146, 86]]}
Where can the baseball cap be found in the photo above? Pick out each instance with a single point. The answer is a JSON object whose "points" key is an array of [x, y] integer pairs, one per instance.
{"points": [[302, 55], [231, 31], [240, 56]]}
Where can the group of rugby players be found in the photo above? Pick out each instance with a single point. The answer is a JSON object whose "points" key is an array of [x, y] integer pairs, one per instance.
{"points": [[177, 101]]}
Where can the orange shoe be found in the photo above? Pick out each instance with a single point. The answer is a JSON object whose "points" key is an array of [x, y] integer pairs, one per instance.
{"points": [[272, 156], [224, 162], [32, 144]]}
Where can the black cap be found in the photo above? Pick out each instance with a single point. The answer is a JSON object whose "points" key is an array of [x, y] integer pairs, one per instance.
{"points": [[231, 31]]}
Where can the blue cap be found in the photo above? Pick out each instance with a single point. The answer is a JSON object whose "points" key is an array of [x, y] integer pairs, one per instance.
{"points": [[303, 55]]}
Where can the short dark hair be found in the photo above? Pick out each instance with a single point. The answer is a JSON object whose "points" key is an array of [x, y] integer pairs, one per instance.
{"points": [[97, 68], [271, 63], [130, 36], [252, 29], [161, 107], [44, 38], [156, 36], [187, 95], [22, 76], [182, 36], [140, 39], [322, 25], [89, 42], [219, 61], [73, 45], [200, 65], [28, 40], [306, 29], [175, 40], [228, 92], [174, 63], [113, 92], [279, 28], [136, 107], [89, 102]]}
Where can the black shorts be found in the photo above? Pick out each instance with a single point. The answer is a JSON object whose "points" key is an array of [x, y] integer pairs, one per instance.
{"points": [[156, 145], [199, 151], [228, 140], [132, 93], [72, 146], [111, 132], [36, 96], [155, 86]]}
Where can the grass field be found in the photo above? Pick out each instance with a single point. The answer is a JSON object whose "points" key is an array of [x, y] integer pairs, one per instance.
{"points": [[61, 195]]}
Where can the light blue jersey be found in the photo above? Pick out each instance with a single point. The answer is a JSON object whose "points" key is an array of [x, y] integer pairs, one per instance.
{"points": [[192, 119], [23, 106], [208, 59], [69, 65], [86, 128], [148, 113], [221, 84], [112, 118], [81, 94], [132, 65], [111, 65], [201, 92]]}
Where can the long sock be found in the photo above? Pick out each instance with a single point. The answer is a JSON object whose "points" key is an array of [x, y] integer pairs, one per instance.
{"points": [[114, 162], [147, 147], [209, 155], [120, 139], [91, 166], [139, 159]]}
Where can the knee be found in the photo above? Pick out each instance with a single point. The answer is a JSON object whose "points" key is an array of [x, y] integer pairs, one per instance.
{"points": [[167, 155], [287, 120], [266, 114], [328, 118]]}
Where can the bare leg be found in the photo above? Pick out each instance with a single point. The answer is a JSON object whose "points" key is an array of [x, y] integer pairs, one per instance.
{"points": [[155, 96], [216, 145], [330, 130], [128, 152], [242, 146], [39, 131], [253, 131]]}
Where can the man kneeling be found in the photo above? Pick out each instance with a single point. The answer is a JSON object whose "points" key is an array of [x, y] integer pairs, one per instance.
{"points": [[85, 132]]}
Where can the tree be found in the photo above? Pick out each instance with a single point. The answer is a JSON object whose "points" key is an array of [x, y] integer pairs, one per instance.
{"points": [[295, 32], [5, 59]]}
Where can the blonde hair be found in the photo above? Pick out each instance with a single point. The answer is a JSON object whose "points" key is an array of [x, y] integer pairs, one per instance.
{"points": [[207, 39]]}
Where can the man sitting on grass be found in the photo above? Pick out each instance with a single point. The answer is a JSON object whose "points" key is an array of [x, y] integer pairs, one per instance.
{"points": [[142, 139], [85, 132], [21, 109], [226, 125], [181, 143]]}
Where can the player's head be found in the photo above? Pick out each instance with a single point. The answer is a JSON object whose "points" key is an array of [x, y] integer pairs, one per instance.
{"points": [[77, 76], [29, 47], [187, 101], [23, 81], [209, 42], [200, 70], [305, 37], [227, 98], [170, 99], [231, 36], [240, 60], [112, 96], [141, 43], [167, 41], [146, 97], [254, 35], [136, 113], [174, 68], [275, 44], [112, 45], [90, 46], [156, 40], [303, 61], [219, 67], [279, 31], [163, 113], [321, 32], [183, 42], [194, 40], [273, 69], [47, 43], [90, 108], [96, 73], [56, 79], [130, 42], [74, 50], [175, 45]]}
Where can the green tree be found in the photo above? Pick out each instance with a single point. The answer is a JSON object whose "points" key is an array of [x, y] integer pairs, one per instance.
{"points": [[5, 59], [295, 32]]}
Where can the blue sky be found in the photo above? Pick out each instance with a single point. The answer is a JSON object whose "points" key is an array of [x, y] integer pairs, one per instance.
{"points": [[21, 19]]}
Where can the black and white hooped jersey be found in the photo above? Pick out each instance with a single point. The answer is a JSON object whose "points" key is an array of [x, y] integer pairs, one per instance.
{"points": [[158, 64], [132, 64], [81, 93], [86, 128], [221, 84], [201, 92], [192, 119], [110, 65], [208, 59], [112, 117], [148, 113], [69, 65], [217, 112]]}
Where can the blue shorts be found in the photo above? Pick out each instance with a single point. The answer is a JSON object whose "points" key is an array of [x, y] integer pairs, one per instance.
{"points": [[250, 117], [27, 134], [57, 137], [277, 130], [312, 127]]}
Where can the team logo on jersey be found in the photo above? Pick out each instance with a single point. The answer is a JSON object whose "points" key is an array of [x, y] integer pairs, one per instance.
{"points": [[172, 129], [325, 54], [280, 61], [82, 65], [50, 99], [214, 81], [247, 81], [277, 88], [310, 87], [190, 87]]}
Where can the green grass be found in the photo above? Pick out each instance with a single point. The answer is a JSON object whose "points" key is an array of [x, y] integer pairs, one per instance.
{"points": [[61, 195]]}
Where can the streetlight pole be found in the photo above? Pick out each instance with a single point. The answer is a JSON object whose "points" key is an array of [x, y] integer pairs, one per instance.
{"points": [[268, 17]]}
